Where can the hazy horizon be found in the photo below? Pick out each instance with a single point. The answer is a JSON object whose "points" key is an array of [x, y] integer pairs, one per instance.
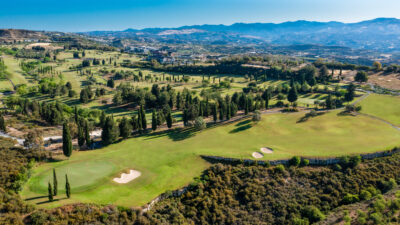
{"points": [[101, 15]]}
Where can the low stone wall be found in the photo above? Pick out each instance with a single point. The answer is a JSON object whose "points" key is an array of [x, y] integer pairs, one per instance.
{"points": [[312, 161]]}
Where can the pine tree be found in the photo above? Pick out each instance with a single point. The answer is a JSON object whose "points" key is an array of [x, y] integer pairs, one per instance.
{"points": [[3, 126], [55, 184], [67, 187], [67, 144], [50, 191], [154, 120], [169, 119]]}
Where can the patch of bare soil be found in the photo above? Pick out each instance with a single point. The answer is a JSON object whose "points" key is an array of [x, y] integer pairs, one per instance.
{"points": [[388, 81]]}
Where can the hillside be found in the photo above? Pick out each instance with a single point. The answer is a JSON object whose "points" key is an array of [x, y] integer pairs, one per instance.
{"points": [[8, 35], [378, 34]]}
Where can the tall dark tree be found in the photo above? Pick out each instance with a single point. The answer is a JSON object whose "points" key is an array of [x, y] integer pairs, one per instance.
{"points": [[169, 119], [81, 133], [3, 126], [67, 187], [110, 131], [214, 111], [329, 102], [265, 96], [67, 143], [50, 192], [154, 120], [102, 118], [292, 96], [55, 183], [76, 115], [125, 128], [143, 117], [87, 133], [350, 93]]}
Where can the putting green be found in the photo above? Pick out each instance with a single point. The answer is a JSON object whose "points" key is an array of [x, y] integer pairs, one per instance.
{"points": [[171, 160], [82, 175]]}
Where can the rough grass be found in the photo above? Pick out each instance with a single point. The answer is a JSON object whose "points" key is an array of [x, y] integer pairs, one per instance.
{"points": [[383, 106], [169, 161]]}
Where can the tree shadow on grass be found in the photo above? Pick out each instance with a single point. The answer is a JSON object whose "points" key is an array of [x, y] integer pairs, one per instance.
{"points": [[37, 197], [241, 126], [308, 116], [182, 134], [178, 134], [43, 202]]}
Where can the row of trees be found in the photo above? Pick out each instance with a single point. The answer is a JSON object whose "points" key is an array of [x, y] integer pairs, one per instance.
{"points": [[53, 189]]}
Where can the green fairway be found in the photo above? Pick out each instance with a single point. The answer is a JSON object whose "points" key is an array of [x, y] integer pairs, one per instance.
{"points": [[383, 106], [171, 160]]}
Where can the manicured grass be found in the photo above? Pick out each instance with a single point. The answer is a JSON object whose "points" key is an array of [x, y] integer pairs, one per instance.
{"points": [[383, 106], [169, 161]]}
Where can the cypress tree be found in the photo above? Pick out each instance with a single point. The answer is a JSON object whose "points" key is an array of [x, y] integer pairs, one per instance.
{"points": [[76, 115], [292, 96], [67, 144], [3, 126], [102, 118], [139, 121], [169, 119], [246, 106], [215, 113], [87, 133], [221, 111], [81, 136], [125, 128], [50, 191], [228, 111], [55, 184], [143, 116], [67, 187], [154, 120], [110, 131]]}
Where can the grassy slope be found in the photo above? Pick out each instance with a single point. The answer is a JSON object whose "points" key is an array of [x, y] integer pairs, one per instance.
{"points": [[15, 73], [383, 106], [171, 160]]}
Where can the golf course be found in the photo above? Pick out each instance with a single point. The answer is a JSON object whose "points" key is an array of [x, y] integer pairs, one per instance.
{"points": [[170, 160]]}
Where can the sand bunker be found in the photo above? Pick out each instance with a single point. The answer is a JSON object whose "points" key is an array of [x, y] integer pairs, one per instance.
{"points": [[266, 150], [127, 177], [257, 155]]}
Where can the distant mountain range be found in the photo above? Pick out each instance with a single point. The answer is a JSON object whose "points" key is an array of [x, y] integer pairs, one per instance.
{"points": [[381, 34]]}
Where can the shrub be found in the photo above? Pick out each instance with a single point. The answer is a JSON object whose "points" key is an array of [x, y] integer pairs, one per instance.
{"points": [[256, 116], [199, 123], [295, 161], [305, 162], [313, 214], [350, 198], [365, 195]]}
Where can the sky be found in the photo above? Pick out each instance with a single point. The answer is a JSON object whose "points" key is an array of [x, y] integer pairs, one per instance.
{"points": [[90, 15]]}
